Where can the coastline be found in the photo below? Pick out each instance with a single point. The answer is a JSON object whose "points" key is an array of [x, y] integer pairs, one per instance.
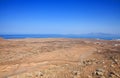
{"points": [[26, 36]]}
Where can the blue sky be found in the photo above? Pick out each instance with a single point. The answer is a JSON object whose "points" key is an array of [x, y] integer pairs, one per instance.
{"points": [[59, 16]]}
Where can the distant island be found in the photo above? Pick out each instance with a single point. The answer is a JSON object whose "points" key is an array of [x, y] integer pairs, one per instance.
{"points": [[89, 35]]}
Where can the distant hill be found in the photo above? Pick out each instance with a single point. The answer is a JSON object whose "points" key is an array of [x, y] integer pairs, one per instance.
{"points": [[89, 35]]}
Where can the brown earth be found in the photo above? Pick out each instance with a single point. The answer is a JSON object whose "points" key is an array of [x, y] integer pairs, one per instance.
{"points": [[59, 58]]}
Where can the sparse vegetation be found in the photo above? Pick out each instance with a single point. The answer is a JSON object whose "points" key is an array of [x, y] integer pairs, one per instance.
{"points": [[59, 58]]}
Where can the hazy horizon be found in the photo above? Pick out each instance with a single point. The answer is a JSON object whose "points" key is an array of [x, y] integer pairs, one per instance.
{"points": [[59, 16]]}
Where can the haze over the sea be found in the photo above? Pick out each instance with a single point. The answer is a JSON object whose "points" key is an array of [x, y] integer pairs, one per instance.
{"points": [[59, 16]]}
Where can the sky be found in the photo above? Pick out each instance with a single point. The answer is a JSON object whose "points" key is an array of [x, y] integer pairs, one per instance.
{"points": [[59, 16]]}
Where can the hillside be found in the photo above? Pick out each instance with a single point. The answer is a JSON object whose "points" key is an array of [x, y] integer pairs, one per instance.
{"points": [[59, 58]]}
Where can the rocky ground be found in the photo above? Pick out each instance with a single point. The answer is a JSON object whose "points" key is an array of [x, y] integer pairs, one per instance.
{"points": [[59, 58]]}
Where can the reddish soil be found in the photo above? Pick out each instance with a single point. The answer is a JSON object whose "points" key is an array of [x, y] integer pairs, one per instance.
{"points": [[59, 58]]}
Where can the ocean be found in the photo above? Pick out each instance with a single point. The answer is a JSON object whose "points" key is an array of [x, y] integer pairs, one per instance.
{"points": [[91, 36]]}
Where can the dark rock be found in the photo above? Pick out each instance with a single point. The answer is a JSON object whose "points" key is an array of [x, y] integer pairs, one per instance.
{"points": [[114, 75], [99, 72], [76, 72]]}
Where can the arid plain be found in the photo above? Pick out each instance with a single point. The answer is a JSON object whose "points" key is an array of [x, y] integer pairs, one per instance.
{"points": [[59, 58]]}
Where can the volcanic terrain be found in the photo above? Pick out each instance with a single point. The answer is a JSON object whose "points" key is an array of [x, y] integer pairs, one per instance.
{"points": [[59, 58]]}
